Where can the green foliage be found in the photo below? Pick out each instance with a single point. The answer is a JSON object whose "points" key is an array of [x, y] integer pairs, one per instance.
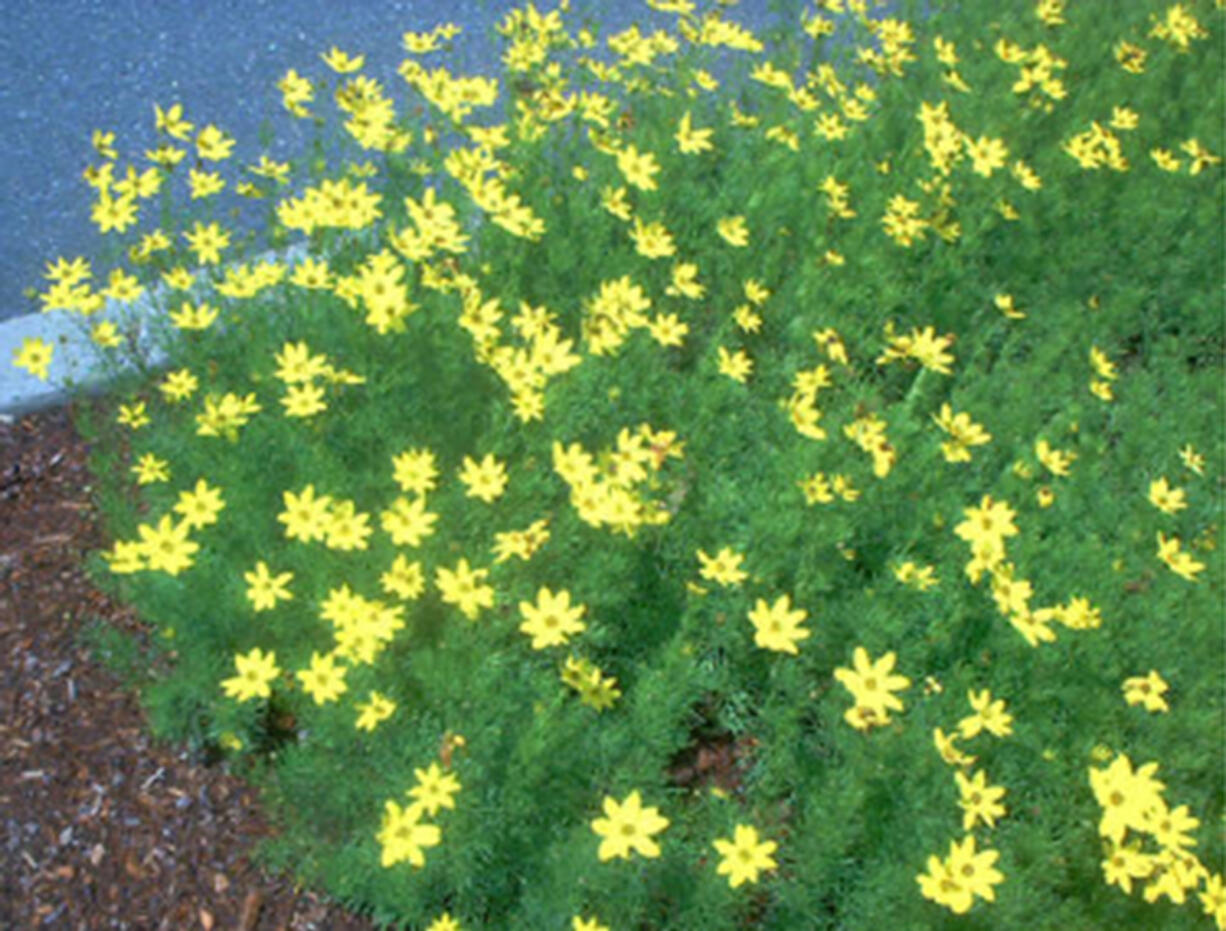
{"points": [[785, 441]]}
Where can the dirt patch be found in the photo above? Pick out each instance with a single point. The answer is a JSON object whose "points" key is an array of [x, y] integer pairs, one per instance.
{"points": [[99, 827]]}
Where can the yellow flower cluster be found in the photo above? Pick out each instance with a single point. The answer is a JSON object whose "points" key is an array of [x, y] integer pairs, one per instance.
{"points": [[1131, 801], [167, 547], [402, 834], [957, 880], [595, 689], [616, 493]]}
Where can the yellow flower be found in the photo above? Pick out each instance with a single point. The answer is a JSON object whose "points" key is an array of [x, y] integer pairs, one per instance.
{"points": [[668, 330], [948, 750], [978, 800], [627, 827], [256, 671], [872, 683], [736, 366], [744, 856], [691, 140], [777, 627], [179, 385], [377, 708], [213, 144], [133, 415], [324, 681], [485, 480], [341, 62], [408, 522], [1146, 690], [989, 716], [460, 587], [415, 471], [1165, 498], [306, 517], [638, 169], [733, 231], [1192, 459], [264, 589], [434, 789], [150, 469], [1179, 562], [402, 836], [986, 154], [166, 547], [403, 579], [724, 567], [304, 400], [171, 121], [551, 620]]}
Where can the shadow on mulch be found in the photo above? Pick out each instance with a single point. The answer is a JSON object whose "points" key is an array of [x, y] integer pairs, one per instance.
{"points": [[99, 827]]}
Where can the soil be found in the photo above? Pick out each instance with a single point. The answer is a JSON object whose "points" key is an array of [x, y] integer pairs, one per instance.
{"points": [[100, 827]]}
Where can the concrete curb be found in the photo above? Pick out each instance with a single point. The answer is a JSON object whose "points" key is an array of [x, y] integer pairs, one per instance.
{"points": [[77, 365]]}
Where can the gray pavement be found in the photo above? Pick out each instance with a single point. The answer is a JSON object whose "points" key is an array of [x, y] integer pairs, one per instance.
{"points": [[68, 67]]}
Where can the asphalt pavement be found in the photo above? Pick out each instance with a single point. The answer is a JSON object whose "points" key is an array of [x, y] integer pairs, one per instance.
{"points": [[69, 67]]}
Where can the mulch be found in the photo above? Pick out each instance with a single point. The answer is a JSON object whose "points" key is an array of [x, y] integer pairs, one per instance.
{"points": [[99, 826]]}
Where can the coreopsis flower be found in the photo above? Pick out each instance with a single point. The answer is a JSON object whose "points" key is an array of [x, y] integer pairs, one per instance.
{"points": [[1146, 690], [376, 709], [1125, 796], [407, 521], [1192, 459], [958, 879], [1165, 498], [461, 587], [872, 684], [486, 479], [668, 330], [149, 469], [989, 716], [963, 432], [306, 517], [736, 365], [948, 749], [724, 567], [986, 154], [212, 144], [733, 231], [777, 627], [347, 529], [404, 579], [34, 357], [133, 415], [265, 590], [744, 855], [323, 680], [166, 547], [992, 520], [639, 169], [1124, 863], [402, 836], [978, 800], [627, 827], [552, 620], [1178, 561], [434, 789], [256, 672], [341, 62], [690, 140]]}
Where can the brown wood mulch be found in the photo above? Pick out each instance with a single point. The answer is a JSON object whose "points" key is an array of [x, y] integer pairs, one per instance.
{"points": [[99, 826]]}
